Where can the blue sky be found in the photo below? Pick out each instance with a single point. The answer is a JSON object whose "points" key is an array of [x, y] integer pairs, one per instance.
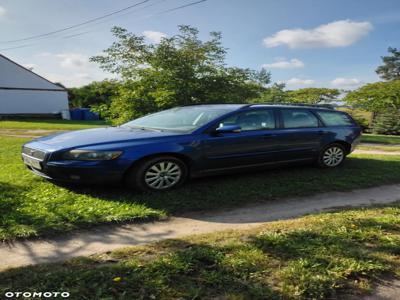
{"points": [[304, 43]]}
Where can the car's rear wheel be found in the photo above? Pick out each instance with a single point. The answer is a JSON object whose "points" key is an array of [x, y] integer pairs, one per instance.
{"points": [[332, 156], [158, 173]]}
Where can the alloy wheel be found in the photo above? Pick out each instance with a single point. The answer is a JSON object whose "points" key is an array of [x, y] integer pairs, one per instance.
{"points": [[163, 175], [333, 156]]}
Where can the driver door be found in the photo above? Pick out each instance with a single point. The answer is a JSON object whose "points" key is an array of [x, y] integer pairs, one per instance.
{"points": [[254, 144]]}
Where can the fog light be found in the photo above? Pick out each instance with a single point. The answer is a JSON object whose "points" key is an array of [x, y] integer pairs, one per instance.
{"points": [[75, 177]]}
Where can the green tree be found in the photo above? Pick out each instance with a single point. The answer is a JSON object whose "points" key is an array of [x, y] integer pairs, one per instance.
{"points": [[313, 95], [376, 97], [93, 94], [179, 70], [390, 70], [273, 94]]}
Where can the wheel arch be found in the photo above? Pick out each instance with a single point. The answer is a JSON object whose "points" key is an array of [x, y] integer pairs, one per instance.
{"points": [[187, 160], [346, 145]]}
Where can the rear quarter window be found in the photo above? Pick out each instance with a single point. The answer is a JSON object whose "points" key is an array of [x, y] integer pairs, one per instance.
{"points": [[332, 118], [298, 118]]}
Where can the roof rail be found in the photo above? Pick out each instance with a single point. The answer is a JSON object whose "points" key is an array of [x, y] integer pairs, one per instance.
{"points": [[328, 106]]}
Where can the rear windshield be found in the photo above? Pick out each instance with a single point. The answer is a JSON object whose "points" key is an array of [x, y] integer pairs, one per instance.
{"points": [[333, 118]]}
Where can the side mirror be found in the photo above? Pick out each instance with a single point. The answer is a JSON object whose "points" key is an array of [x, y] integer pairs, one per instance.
{"points": [[228, 129]]}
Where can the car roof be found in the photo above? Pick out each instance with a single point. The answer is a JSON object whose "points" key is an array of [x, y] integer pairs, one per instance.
{"points": [[293, 105], [232, 106], [254, 105]]}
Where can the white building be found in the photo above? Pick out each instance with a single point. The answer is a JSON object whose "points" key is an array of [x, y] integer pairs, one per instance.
{"points": [[23, 92]]}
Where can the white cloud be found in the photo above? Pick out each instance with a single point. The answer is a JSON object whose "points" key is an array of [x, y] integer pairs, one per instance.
{"points": [[44, 54], [299, 81], [73, 60], [341, 82], [76, 79], [335, 34], [70, 80], [295, 83], [293, 63], [2, 11], [70, 68], [154, 36], [69, 60]]}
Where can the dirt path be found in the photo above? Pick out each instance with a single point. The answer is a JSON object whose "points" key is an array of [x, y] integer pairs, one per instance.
{"points": [[380, 145], [386, 290], [376, 152], [106, 238], [26, 133]]}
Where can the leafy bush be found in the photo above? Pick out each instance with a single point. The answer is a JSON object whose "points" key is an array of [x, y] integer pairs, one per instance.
{"points": [[387, 123], [94, 94]]}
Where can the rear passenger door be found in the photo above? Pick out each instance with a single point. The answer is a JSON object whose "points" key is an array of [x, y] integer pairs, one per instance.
{"points": [[299, 135]]}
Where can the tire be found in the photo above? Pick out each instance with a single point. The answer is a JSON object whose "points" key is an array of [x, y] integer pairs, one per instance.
{"points": [[159, 173], [332, 156]]}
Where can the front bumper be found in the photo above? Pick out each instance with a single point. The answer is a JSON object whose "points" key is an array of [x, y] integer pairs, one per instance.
{"points": [[93, 172], [87, 175]]}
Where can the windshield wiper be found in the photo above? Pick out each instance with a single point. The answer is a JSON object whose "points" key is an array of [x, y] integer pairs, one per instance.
{"points": [[144, 128]]}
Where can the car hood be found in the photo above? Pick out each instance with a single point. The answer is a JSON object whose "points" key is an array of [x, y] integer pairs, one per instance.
{"points": [[98, 136]]}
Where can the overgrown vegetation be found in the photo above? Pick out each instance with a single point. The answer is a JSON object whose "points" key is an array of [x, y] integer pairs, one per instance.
{"points": [[32, 206], [323, 256]]}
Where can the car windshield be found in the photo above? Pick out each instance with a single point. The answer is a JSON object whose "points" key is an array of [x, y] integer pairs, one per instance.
{"points": [[183, 119]]}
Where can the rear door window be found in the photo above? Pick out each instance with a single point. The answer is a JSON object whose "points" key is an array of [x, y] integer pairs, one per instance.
{"points": [[332, 118], [298, 118], [260, 119]]}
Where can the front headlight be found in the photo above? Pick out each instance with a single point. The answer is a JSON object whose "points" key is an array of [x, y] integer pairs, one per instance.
{"points": [[78, 154]]}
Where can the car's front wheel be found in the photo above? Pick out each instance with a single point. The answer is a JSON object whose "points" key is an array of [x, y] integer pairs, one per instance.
{"points": [[158, 173], [332, 156]]}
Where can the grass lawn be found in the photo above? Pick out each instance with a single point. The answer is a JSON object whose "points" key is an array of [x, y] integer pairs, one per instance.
{"points": [[50, 124], [380, 139], [30, 206], [322, 256]]}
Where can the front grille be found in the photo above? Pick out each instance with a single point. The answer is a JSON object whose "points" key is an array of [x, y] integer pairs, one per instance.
{"points": [[39, 154]]}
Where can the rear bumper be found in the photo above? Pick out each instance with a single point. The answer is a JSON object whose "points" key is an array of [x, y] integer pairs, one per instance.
{"points": [[355, 143]]}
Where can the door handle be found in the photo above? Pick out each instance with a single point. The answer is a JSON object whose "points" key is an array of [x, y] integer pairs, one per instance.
{"points": [[321, 132]]}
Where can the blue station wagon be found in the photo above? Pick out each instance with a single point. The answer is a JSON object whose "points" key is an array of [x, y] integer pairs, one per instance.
{"points": [[161, 150]]}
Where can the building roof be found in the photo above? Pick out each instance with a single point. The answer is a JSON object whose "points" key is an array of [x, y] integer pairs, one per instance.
{"points": [[16, 76]]}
